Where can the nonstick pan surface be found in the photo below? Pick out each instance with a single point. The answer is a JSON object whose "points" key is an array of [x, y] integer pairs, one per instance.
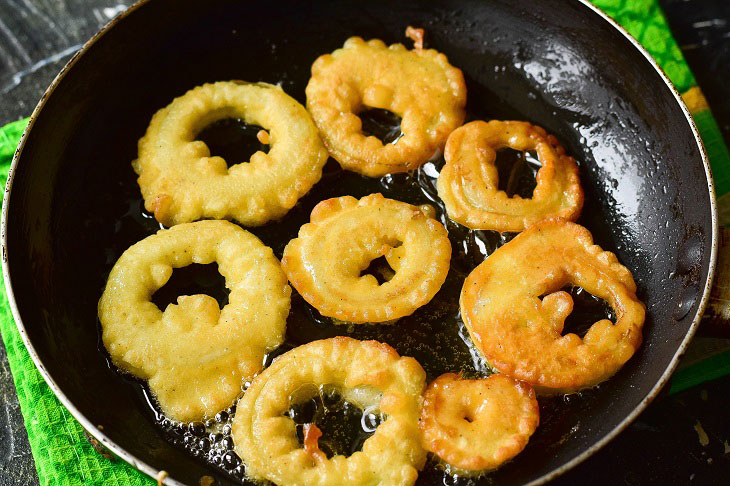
{"points": [[73, 205]]}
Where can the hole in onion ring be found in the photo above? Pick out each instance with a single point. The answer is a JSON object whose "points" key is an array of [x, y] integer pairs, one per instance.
{"points": [[380, 269], [587, 309], [344, 426], [192, 280], [382, 124], [516, 171], [232, 139]]}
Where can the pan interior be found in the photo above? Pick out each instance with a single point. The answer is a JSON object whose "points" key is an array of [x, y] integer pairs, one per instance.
{"points": [[75, 206]]}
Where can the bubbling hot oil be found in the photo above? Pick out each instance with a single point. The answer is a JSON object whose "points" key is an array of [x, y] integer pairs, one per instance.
{"points": [[434, 334], [210, 440]]}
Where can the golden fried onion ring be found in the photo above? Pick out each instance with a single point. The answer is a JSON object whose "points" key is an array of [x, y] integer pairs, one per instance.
{"points": [[345, 235], [477, 425], [419, 85], [368, 373], [181, 182], [520, 334], [195, 355], [468, 182]]}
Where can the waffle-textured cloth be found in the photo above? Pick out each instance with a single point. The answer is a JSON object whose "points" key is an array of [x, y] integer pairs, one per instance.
{"points": [[62, 454]]}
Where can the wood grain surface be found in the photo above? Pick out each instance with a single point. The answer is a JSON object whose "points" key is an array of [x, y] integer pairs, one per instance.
{"points": [[36, 39]]}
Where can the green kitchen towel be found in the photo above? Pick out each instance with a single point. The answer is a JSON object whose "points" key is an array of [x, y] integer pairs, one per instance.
{"points": [[62, 454]]}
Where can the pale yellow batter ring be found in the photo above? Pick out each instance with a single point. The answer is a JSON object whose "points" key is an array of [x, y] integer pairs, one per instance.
{"points": [[181, 182], [369, 374], [195, 355], [324, 263]]}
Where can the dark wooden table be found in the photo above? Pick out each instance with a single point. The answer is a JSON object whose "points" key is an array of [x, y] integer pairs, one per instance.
{"points": [[683, 438]]}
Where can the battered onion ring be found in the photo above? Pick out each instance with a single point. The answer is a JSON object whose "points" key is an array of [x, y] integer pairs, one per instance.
{"points": [[181, 182], [468, 182], [195, 355], [420, 86], [520, 334], [477, 425], [345, 235], [368, 373]]}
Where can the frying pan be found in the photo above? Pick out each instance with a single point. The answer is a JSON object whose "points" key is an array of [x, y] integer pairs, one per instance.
{"points": [[560, 64]]}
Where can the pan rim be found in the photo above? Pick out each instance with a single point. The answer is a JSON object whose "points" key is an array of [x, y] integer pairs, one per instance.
{"points": [[664, 379], [153, 472], [87, 425]]}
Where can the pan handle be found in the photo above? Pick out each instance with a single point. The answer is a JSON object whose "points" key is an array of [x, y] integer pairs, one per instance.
{"points": [[716, 321]]}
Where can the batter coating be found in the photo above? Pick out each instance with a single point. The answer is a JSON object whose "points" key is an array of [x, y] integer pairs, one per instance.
{"points": [[368, 373], [468, 183], [519, 332], [477, 425], [195, 355], [325, 262], [418, 85], [181, 182]]}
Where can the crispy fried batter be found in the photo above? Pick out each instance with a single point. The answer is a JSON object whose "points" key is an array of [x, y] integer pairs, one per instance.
{"points": [[468, 183], [418, 85], [195, 355], [263, 137], [311, 443], [476, 425], [324, 263], [369, 374], [416, 35], [181, 182], [519, 332]]}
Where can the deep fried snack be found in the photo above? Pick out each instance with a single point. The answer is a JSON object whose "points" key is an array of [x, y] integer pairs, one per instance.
{"points": [[416, 35], [181, 182], [325, 262], [468, 183], [477, 425], [369, 374], [195, 355], [519, 332], [418, 85]]}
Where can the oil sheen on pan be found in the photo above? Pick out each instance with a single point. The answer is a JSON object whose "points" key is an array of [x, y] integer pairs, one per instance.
{"points": [[434, 334]]}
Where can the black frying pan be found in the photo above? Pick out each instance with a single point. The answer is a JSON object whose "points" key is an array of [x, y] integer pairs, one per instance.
{"points": [[72, 204]]}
